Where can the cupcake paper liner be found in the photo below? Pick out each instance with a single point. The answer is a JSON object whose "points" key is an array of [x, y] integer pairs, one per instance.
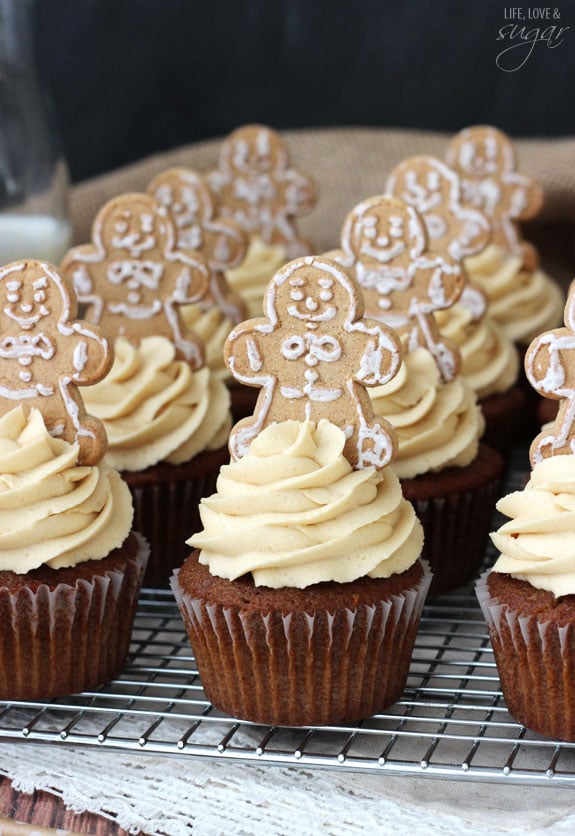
{"points": [[166, 508], [536, 664], [302, 668], [71, 638]]}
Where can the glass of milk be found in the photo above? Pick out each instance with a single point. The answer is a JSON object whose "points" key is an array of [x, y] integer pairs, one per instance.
{"points": [[34, 221]]}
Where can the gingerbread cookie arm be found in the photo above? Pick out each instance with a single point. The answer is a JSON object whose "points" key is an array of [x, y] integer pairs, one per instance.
{"points": [[382, 351], [245, 352], [374, 442], [92, 354], [246, 358], [85, 430]]}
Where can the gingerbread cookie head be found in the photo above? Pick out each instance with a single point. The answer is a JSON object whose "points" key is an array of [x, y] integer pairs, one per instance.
{"points": [[46, 353], [132, 276], [485, 160], [313, 355], [384, 243], [550, 369], [220, 241], [259, 189]]}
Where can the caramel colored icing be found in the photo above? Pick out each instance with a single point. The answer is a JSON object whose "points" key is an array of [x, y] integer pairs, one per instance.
{"points": [[537, 544], [53, 511], [438, 425], [523, 302], [292, 512], [155, 408]]}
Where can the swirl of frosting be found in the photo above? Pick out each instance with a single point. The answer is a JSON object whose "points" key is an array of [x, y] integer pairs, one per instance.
{"points": [[294, 513], [212, 327], [438, 425], [252, 276], [523, 302], [155, 408], [489, 359], [538, 543], [53, 511]]}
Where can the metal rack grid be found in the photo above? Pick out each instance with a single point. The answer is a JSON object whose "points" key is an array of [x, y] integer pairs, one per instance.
{"points": [[451, 721]]}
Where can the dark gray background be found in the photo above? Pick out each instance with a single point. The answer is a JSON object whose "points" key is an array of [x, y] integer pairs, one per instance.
{"points": [[130, 77]]}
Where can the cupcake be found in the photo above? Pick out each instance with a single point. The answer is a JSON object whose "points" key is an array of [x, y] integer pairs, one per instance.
{"points": [[303, 595], [528, 598], [70, 567], [489, 359], [166, 415], [523, 300], [260, 191], [451, 478]]}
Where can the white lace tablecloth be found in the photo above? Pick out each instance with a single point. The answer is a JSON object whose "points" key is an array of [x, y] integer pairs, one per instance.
{"points": [[172, 796]]}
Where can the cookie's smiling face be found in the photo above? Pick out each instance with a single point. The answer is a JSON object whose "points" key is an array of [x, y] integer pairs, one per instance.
{"points": [[254, 152], [481, 157], [133, 233], [25, 304], [311, 299]]}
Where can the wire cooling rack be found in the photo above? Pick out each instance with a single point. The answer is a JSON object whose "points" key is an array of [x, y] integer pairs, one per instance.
{"points": [[451, 721]]}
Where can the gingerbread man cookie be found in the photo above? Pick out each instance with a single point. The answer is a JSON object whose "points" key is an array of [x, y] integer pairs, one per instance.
{"points": [[384, 243], [550, 369], [221, 241], [45, 353], [260, 191], [133, 278], [434, 190], [313, 354], [485, 160]]}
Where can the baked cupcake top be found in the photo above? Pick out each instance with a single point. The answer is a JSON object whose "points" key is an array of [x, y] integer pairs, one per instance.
{"points": [[293, 512]]}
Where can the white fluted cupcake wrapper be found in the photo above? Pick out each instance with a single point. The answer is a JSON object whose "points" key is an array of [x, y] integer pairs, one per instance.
{"points": [[304, 668], [70, 638], [536, 664]]}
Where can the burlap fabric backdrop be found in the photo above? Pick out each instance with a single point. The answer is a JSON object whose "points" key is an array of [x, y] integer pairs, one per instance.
{"points": [[349, 165]]}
